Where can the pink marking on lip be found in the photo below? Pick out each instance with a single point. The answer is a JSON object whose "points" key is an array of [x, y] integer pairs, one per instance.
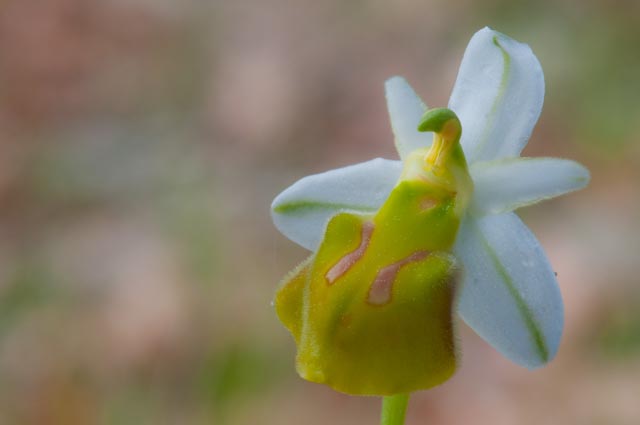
{"points": [[381, 288], [428, 203], [346, 262]]}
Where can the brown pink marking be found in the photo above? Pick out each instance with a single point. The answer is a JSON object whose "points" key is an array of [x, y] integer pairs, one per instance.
{"points": [[346, 262], [381, 288], [428, 203]]}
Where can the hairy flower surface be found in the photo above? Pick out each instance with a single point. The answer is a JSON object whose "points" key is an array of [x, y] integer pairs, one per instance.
{"points": [[398, 246]]}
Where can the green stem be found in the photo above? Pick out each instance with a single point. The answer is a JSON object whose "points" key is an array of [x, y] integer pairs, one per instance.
{"points": [[394, 408]]}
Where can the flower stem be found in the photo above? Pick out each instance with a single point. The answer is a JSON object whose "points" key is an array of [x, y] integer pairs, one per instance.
{"points": [[394, 408]]}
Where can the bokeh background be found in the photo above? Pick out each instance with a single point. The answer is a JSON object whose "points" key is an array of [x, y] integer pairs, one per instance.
{"points": [[141, 143]]}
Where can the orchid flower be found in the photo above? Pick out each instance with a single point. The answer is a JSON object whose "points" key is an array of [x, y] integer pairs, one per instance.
{"points": [[504, 287]]}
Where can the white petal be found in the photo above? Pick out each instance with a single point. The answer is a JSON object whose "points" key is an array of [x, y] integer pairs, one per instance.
{"points": [[509, 294], [405, 110], [506, 184], [498, 96], [302, 210]]}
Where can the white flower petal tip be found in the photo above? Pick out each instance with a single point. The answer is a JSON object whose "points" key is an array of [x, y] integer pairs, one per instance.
{"points": [[405, 111], [498, 96], [302, 211], [510, 296], [506, 184]]}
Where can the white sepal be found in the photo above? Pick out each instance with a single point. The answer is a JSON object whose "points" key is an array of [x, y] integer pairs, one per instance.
{"points": [[509, 293], [498, 96], [302, 211]]}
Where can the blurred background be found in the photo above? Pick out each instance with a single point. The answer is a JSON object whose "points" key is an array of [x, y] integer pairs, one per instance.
{"points": [[142, 141]]}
